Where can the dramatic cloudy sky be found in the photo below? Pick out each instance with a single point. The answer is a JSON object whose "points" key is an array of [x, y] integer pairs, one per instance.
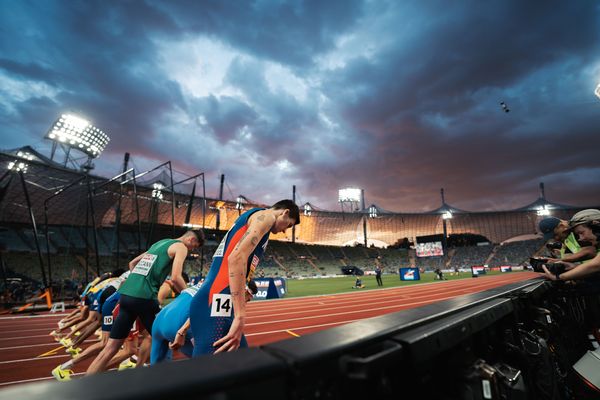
{"points": [[397, 97]]}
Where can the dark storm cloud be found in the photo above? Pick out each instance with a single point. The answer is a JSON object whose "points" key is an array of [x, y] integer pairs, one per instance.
{"points": [[290, 32], [400, 98], [467, 50], [99, 60]]}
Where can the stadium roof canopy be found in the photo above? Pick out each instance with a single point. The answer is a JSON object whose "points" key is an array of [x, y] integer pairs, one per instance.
{"points": [[45, 177]]}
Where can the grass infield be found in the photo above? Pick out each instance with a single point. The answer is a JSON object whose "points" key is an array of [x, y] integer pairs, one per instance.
{"points": [[321, 286]]}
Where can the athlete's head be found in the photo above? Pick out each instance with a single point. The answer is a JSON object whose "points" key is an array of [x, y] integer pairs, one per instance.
{"points": [[288, 218], [251, 290], [193, 239]]}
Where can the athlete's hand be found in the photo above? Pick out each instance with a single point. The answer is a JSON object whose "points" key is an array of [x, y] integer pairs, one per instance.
{"points": [[177, 343], [231, 341]]}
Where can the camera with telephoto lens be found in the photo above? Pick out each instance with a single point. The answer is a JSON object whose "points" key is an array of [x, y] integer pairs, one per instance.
{"points": [[554, 268], [554, 246]]}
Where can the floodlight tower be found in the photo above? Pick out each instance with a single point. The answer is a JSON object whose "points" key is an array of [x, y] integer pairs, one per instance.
{"points": [[354, 197], [445, 217], [239, 203], [72, 132], [351, 197], [20, 167]]}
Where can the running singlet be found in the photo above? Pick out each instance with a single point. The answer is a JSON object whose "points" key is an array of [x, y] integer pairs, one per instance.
{"points": [[150, 272], [211, 311]]}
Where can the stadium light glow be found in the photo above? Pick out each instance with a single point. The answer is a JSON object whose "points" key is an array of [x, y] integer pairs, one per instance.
{"points": [[597, 91], [17, 166], [25, 154], [192, 226], [447, 215], [349, 194], [78, 133], [157, 190], [543, 211], [372, 212], [307, 210], [239, 203]]}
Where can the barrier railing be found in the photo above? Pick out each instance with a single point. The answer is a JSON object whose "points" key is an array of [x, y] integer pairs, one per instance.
{"points": [[483, 345]]}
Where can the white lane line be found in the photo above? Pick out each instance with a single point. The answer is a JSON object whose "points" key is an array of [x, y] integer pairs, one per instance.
{"points": [[33, 316], [303, 327], [28, 330], [25, 337], [363, 310], [30, 345], [56, 344], [34, 359]]}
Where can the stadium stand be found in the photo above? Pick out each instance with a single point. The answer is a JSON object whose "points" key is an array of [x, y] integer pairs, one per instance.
{"points": [[515, 253], [325, 240]]}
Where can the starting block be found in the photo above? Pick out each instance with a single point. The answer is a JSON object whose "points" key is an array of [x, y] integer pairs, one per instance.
{"points": [[58, 306]]}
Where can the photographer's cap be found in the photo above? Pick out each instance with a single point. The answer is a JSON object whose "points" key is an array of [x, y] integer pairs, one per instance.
{"points": [[547, 226], [584, 216]]}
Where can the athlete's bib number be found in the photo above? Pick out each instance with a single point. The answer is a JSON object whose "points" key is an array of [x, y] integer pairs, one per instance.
{"points": [[221, 305], [108, 320], [145, 264]]}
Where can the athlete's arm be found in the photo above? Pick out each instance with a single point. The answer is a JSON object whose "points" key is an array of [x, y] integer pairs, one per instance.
{"points": [[180, 336], [259, 225], [179, 252], [163, 292], [136, 260]]}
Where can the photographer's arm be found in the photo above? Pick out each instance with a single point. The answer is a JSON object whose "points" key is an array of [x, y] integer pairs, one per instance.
{"points": [[585, 253], [580, 271]]}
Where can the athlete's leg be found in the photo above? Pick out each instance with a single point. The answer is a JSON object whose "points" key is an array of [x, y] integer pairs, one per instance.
{"points": [[118, 333], [143, 353], [90, 329], [160, 344], [129, 348], [101, 361]]}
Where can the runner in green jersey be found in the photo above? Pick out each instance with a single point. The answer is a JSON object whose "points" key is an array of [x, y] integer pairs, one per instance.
{"points": [[139, 291]]}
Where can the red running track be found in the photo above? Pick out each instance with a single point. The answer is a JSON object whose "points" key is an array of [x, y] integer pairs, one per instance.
{"points": [[24, 338]]}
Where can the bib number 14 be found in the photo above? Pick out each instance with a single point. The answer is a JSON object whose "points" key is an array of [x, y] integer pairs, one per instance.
{"points": [[221, 305]]}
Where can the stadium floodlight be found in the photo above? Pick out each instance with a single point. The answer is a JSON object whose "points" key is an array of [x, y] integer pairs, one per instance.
{"points": [[25, 154], [307, 210], [78, 133], [349, 195], [18, 166], [372, 212], [192, 226], [239, 202], [597, 91], [447, 215], [157, 190], [543, 211]]}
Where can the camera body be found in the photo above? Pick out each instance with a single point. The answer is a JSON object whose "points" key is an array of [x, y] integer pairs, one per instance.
{"points": [[554, 245], [554, 268]]}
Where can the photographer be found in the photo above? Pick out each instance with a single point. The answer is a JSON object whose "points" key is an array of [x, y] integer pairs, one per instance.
{"points": [[586, 226], [564, 240]]}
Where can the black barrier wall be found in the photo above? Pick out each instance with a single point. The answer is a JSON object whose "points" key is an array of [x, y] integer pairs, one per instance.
{"points": [[514, 342]]}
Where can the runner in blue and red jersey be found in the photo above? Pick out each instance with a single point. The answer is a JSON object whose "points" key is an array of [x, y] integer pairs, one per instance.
{"points": [[218, 309]]}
